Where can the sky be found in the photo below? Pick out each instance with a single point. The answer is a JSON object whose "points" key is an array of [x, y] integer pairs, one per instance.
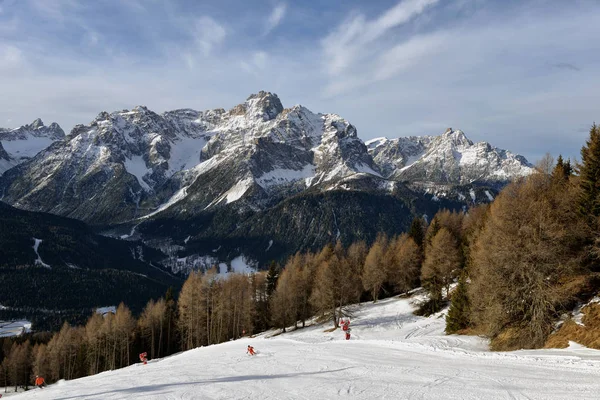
{"points": [[523, 75]]}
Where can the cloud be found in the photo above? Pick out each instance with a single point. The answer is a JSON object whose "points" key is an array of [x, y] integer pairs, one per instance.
{"points": [[58, 10], [411, 54], [564, 65], [257, 62], [350, 40], [10, 57], [275, 18], [209, 34]]}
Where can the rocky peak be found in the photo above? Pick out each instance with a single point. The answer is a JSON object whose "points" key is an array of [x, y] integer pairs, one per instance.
{"points": [[35, 129], [36, 124], [456, 137], [263, 105]]}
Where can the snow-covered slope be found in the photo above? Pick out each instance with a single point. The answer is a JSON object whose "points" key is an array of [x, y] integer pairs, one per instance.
{"points": [[392, 354], [21, 144]]}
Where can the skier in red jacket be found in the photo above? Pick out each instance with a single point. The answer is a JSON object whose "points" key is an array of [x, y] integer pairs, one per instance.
{"points": [[251, 350], [39, 381]]}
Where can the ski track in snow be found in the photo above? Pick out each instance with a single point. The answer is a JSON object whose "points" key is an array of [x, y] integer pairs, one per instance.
{"points": [[393, 354]]}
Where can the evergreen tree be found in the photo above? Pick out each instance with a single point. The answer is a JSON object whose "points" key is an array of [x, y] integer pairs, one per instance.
{"points": [[458, 314], [417, 231], [567, 168], [561, 171], [272, 277], [589, 171]]}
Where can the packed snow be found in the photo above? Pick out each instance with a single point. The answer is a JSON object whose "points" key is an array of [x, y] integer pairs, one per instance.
{"points": [[392, 354]]}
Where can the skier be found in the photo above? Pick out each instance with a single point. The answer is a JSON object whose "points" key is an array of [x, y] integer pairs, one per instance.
{"points": [[39, 381], [251, 350]]}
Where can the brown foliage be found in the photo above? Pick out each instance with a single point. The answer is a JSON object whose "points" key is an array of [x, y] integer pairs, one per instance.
{"points": [[530, 241]]}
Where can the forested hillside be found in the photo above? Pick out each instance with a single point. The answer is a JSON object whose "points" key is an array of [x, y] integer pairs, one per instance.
{"points": [[54, 268]]}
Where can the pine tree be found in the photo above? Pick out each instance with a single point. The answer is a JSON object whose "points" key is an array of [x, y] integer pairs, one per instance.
{"points": [[272, 277], [417, 231], [561, 171], [589, 171], [458, 314]]}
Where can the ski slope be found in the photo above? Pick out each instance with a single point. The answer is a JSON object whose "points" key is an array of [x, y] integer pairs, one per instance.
{"points": [[392, 355]]}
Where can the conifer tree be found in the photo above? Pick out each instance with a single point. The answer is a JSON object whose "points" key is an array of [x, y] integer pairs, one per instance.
{"points": [[589, 172], [458, 314], [417, 231], [561, 171], [272, 277]]}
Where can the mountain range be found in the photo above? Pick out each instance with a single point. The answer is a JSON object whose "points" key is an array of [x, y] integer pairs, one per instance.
{"points": [[258, 181]]}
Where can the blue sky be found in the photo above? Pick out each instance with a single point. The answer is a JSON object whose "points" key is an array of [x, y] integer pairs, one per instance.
{"points": [[522, 75]]}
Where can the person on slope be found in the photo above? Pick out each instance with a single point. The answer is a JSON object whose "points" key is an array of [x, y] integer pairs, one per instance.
{"points": [[39, 381], [251, 350]]}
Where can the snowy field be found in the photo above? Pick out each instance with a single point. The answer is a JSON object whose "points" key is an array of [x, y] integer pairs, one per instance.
{"points": [[14, 328], [392, 355]]}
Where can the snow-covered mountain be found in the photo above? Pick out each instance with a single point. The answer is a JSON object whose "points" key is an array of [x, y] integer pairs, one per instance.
{"points": [[141, 162], [450, 158], [256, 174], [131, 163], [21, 144]]}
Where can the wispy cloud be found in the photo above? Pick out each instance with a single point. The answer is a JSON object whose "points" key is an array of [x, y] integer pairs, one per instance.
{"points": [[275, 18], [350, 40], [209, 34], [257, 62], [564, 65], [57, 9], [10, 57]]}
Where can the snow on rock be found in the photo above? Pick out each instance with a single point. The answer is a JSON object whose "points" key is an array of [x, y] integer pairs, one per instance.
{"points": [[238, 190], [391, 354], [39, 261], [136, 166], [578, 313], [489, 195], [282, 176], [472, 194]]}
